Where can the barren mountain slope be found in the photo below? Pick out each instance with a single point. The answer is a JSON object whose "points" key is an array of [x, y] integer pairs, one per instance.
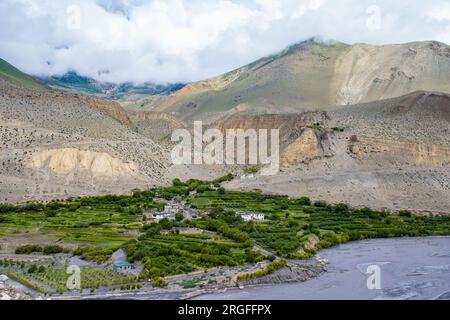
{"points": [[56, 144], [313, 75], [155, 125], [391, 154]]}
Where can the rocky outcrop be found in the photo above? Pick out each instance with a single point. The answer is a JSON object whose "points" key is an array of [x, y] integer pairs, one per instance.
{"points": [[295, 271], [300, 142], [291, 126], [67, 160], [155, 116], [113, 109], [9, 292], [311, 145], [155, 125], [413, 153]]}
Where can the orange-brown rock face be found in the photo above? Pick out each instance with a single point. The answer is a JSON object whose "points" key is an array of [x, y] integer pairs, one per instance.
{"points": [[413, 153], [113, 109], [298, 143], [156, 116], [309, 146]]}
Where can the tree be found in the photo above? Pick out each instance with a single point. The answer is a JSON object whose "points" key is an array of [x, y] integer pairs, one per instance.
{"points": [[134, 210], [341, 207], [159, 282], [179, 216], [405, 213], [32, 269], [166, 224], [304, 201], [177, 182], [320, 204]]}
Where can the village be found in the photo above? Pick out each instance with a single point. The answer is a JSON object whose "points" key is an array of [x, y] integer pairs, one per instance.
{"points": [[174, 207]]}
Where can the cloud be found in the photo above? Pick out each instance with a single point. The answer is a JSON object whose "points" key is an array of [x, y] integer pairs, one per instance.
{"points": [[186, 40]]}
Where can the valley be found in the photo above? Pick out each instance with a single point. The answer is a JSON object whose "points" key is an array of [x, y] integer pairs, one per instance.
{"points": [[87, 177], [215, 250]]}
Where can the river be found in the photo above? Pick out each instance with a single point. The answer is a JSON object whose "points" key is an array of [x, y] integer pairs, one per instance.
{"points": [[408, 268]]}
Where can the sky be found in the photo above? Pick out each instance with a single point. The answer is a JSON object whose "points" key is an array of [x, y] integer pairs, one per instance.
{"points": [[169, 41]]}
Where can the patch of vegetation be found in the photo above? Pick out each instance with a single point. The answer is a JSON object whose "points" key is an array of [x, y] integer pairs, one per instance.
{"points": [[292, 228], [48, 279], [272, 267], [316, 126], [251, 169]]}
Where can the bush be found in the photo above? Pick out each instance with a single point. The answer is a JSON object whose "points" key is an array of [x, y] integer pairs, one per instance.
{"points": [[177, 182], [49, 214], [341, 207], [405, 213], [134, 210], [159, 282], [179, 216], [320, 204], [304, 201], [53, 249], [251, 169], [28, 248], [5, 208], [272, 267], [73, 207], [32, 269]]}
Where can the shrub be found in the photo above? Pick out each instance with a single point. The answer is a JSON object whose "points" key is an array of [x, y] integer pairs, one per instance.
{"points": [[251, 169], [53, 249], [341, 207], [159, 282], [179, 216], [177, 182], [272, 267], [320, 204], [49, 213], [32, 269], [5, 208], [28, 248], [405, 213]]}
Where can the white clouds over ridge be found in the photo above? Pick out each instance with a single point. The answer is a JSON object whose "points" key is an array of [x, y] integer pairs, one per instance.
{"points": [[185, 40]]}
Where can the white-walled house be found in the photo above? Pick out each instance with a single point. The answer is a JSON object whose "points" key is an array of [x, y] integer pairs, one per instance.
{"points": [[251, 216]]}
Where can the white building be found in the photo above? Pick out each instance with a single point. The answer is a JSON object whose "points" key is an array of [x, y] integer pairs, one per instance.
{"points": [[251, 216], [173, 207], [161, 215]]}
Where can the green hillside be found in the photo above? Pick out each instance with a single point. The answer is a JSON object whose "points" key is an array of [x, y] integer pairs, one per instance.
{"points": [[10, 73]]}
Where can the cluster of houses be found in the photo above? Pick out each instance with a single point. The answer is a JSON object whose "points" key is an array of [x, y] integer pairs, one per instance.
{"points": [[172, 208]]}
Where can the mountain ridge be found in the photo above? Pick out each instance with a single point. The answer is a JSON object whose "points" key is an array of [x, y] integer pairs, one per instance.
{"points": [[312, 75]]}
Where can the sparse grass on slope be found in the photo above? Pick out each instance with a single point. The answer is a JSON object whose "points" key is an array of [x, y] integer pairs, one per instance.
{"points": [[10, 73]]}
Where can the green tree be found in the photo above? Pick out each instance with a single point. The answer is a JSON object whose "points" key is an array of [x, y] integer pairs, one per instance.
{"points": [[32, 269]]}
